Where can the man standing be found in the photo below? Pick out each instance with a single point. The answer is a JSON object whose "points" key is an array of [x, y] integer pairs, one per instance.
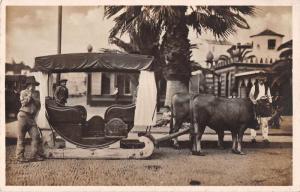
{"points": [[61, 93], [30, 105], [261, 97]]}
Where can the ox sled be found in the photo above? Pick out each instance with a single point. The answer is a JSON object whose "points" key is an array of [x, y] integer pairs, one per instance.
{"points": [[66, 131]]}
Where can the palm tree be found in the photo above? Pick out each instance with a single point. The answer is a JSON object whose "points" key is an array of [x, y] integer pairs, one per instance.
{"points": [[282, 74], [144, 39], [237, 53], [282, 68], [240, 53], [174, 21]]}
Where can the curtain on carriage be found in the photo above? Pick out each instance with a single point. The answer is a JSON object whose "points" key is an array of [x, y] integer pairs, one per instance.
{"points": [[145, 112]]}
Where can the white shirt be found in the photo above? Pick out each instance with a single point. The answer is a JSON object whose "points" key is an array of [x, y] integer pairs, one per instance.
{"points": [[261, 93]]}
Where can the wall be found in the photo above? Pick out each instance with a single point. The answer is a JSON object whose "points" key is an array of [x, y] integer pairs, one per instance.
{"points": [[200, 54], [263, 51], [76, 83], [231, 70]]}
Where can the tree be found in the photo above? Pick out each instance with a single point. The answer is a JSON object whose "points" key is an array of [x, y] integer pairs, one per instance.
{"points": [[237, 53], [240, 53], [144, 38], [175, 21], [282, 68], [282, 74]]}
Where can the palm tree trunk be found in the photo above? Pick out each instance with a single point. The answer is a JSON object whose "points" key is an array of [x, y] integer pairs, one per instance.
{"points": [[174, 86], [177, 50]]}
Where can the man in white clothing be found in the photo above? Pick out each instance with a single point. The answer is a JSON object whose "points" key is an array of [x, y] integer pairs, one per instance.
{"points": [[261, 97]]}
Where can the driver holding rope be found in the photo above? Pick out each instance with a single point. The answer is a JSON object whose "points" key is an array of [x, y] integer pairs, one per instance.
{"points": [[261, 97]]}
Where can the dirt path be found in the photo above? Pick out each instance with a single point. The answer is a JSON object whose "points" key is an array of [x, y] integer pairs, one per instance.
{"points": [[267, 166]]}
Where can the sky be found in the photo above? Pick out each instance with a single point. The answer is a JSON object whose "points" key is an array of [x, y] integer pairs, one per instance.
{"points": [[31, 31]]}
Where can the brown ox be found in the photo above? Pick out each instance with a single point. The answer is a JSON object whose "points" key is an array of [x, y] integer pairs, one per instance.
{"points": [[220, 114]]}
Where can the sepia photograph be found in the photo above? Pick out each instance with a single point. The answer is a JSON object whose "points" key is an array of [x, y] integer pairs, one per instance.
{"points": [[146, 95]]}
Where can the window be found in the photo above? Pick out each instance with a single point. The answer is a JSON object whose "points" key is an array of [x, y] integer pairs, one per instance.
{"points": [[105, 84], [258, 46], [271, 43], [127, 86]]}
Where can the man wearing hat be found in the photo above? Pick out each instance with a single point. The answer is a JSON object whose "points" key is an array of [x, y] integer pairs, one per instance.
{"points": [[61, 93], [30, 105], [261, 97]]}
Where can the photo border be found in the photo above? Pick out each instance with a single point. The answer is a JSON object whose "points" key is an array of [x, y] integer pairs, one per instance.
{"points": [[296, 90]]}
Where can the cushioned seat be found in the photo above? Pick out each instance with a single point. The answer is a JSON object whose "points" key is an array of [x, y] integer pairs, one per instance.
{"points": [[70, 123], [124, 112]]}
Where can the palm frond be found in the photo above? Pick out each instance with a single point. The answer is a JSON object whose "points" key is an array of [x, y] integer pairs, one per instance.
{"points": [[286, 53], [250, 57], [282, 77], [246, 10], [282, 65], [164, 14], [123, 45], [223, 57], [126, 20], [220, 20], [110, 11], [244, 54], [288, 44]]}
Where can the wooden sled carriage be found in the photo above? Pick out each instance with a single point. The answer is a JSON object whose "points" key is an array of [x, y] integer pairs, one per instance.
{"points": [[98, 137]]}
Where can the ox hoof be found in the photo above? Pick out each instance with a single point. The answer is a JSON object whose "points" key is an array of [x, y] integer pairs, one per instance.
{"points": [[237, 152], [198, 153], [221, 147]]}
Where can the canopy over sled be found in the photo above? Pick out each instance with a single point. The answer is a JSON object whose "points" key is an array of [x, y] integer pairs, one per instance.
{"points": [[93, 62]]}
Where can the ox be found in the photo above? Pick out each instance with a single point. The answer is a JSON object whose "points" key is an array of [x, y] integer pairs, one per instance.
{"points": [[220, 114]]}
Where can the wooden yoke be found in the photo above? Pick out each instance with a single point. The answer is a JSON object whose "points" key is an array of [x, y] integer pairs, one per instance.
{"points": [[171, 136]]}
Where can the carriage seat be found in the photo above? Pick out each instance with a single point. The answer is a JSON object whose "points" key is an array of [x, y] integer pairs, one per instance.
{"points": [[124, 112], [67, 114], [117, 122]]}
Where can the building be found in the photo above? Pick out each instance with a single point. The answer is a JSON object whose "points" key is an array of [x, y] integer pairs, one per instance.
{"points": [[226, 84], [107, 88], [264, 46], [17, 68], [76, 83], [211, 50], [242, 60]]}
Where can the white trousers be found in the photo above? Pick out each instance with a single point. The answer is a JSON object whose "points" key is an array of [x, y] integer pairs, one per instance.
{"points": [[263, 121]]}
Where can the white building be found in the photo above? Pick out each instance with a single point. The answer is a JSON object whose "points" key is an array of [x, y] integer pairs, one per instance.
{"points": [[214, 48], [265, 46]]}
